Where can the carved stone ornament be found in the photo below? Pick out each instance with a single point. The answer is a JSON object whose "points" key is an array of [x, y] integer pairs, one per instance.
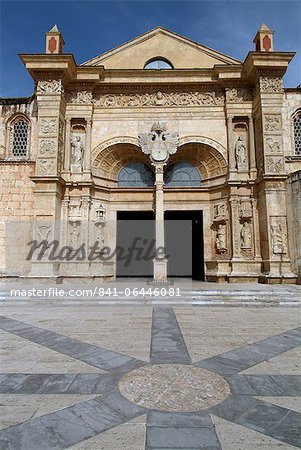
{"points": [[43, 232], [273, 164], [47, 147], [245, 211], [279, 235], [80, 97], [75, 211], [74, 234], [246, 236], [46, 167], [159, 144], [99, 212], [270, 84], [99, 233], [50, 87], [273, 144], [48, 126], [272, 123], [193, 98], [221, 238], [238, 95], [219, 212]]}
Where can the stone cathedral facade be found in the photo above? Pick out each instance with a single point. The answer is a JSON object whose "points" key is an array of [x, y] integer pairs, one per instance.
{"points": [[72, 165]]}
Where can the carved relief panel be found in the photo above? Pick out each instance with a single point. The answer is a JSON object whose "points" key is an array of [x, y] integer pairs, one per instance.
{"points": [[278, 230], [219, 226]]}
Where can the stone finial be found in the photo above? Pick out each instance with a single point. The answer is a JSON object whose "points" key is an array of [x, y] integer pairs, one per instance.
{"points": [[54, 41], [264, 39]]}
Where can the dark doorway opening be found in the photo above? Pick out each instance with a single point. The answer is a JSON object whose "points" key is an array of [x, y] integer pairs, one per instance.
{"points": [[135, 247], [184, 244]]}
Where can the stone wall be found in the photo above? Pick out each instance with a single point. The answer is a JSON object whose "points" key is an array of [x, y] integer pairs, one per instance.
{"points": [[16, 214], [294, 220]]}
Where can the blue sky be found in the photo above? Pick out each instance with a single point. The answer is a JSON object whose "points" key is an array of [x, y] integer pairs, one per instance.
{"points": [[93, 27]]}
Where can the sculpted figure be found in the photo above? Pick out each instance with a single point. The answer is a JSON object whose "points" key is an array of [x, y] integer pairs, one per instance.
{"points": [[279, 238], [221, 238], [77, 151], [74, 235], [240, 153], [246, 235]]}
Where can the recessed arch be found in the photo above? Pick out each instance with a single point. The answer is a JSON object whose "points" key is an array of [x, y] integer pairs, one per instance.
{"points": [[112, 159], [208, 160]]}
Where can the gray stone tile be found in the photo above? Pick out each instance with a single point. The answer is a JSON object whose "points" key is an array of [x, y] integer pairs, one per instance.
{"points": [[290, 384], [92, 383], [57, 383], [190, 420], [234, 406], [60, 429], [11, 382], [221, 365], [279, 423], [122, 406], [242, 358], [254, 385], [181, 438], [167, 344]]}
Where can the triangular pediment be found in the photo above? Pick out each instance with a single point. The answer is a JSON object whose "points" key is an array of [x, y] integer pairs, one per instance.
{"points": [[183, 53]]}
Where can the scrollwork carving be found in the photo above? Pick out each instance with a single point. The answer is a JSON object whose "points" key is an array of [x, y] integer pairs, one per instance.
{"points": [[47, 146], [270, 84], [272, 123], [48, 126], [46, 167], [50, 87], [193, 98], [274, 165], [238, 95], [81, 97]]}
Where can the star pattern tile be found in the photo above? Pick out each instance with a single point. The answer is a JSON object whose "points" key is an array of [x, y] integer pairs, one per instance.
{"points": [[174, 429]]}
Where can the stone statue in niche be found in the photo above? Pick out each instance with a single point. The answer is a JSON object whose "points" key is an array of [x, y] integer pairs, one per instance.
{"points": [[77, 153], [240, 153], [246, 236], [221, 238], [74, 235], [279, 238]]}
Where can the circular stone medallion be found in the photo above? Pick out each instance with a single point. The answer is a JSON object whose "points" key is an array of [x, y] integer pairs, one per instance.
{"points": [[174, 387]]}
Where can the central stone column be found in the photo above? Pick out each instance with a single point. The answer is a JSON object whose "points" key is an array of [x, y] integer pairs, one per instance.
{"points": [[159, 145], [160, 261]]}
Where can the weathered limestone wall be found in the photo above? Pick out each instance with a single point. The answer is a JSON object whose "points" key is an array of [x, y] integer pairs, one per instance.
{"points": [[294, 220], [16, 214]]}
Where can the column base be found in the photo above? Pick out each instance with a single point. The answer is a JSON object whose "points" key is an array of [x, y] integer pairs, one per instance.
{"points": [[160, 272]]}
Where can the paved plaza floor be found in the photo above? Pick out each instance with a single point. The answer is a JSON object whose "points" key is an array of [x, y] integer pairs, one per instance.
{"points": [[120, 377]]}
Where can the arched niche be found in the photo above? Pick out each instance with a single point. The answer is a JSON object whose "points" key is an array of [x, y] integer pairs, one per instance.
{"points": [[109, 162], [209, 162]]}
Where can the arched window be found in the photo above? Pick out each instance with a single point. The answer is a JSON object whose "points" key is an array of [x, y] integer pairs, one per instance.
{"points": [[297, 133], [136, 175], [19, 137], [182, 174], [158, 63]]}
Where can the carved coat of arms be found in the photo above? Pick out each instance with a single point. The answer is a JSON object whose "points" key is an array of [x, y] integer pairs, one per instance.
{"points": [[158, 143]]}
